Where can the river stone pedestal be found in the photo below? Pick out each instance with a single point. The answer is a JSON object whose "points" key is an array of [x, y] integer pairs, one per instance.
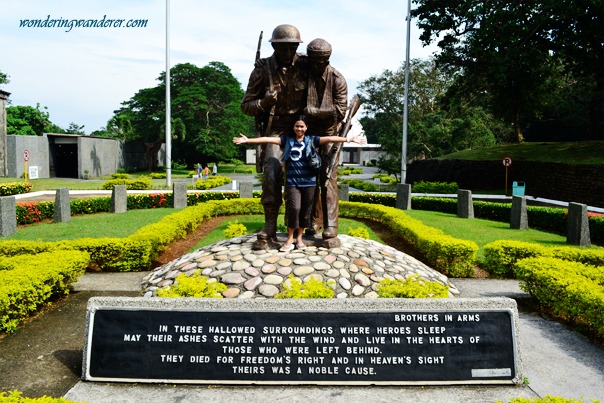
{"points": [[354, 269]]}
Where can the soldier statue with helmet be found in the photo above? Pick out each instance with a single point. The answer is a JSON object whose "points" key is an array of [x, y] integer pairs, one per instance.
{"points": [[276, 96], [326, 109]]}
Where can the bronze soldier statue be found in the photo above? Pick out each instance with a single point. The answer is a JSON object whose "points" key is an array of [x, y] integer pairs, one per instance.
{"points": [[325, 108], [275, 95]]}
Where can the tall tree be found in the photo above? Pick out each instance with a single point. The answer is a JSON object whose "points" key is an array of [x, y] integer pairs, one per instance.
{"points": [[513, 55], [4, 78], [433, 130], [29, 121], [205, 114], [75, 128]]}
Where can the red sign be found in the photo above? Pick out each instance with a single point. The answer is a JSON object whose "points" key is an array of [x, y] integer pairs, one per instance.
{"points": [[26, 155], [506, 161]]}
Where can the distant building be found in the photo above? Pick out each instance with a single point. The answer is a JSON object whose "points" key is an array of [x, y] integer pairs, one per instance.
{"points": [[71, 156]]}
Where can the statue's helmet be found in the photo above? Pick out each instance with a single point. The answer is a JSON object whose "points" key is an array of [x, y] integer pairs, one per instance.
{"points": [[286, 33], [318, 48]]}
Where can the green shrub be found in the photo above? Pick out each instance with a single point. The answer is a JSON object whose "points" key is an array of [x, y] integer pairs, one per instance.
{"points": [[120, 175], [29, 282], [412, 287], [384, 199], [158, 175], [349, 171], [141, 183], [14, 396], [31, 212], [212, 182], [294, 288], [14, 188], [179, 165], [360, 184], [569, 290], [435, 187], [234, 229], [193, 286], [545, 399], [501, 256], [359, 232]]}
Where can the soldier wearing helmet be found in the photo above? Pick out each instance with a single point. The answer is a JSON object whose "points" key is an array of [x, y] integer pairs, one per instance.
{"points": [[276, 95], [325, 108]]}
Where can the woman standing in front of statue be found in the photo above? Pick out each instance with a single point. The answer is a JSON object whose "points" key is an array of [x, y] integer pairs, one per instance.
{"points": [[301, 176]]}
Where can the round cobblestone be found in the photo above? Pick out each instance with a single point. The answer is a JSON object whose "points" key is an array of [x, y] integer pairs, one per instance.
{"points": [[353, 270]]}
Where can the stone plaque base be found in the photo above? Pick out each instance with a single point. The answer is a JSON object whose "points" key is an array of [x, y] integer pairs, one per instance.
{"points": [[357, 342]]}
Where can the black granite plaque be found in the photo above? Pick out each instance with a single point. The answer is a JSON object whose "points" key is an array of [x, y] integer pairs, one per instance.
{"points": [[384, 347]]}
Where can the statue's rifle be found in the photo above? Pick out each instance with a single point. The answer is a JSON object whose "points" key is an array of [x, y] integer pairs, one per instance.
{"points": [[258, 120], [353, 107]]}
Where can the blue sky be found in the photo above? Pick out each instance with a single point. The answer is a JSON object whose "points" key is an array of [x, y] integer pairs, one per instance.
{"points": [[83, 75]]}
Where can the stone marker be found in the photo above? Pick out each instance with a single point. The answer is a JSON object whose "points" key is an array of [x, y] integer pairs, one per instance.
{"points": [[519, 218], [179, 194], [403, 196], [62, 212], [578, 225], [465, 208], [119, 199], [8, 215], [343, 192], [245, 190], [330, 341]]}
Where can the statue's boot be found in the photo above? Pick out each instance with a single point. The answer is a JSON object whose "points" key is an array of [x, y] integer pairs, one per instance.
{"points": [[270, 223], [312, 230], [330, 232]]}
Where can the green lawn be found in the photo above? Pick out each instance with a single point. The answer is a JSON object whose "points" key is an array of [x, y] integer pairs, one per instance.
{"points": [[483, 231], [254, 223], [92, 226], [580, 152]]}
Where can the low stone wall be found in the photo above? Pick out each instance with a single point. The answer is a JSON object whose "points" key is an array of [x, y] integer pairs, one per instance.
{"points": [[570, 183]]}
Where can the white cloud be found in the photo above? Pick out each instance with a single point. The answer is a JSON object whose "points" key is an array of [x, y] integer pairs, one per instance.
{"points": [[83, 75]]}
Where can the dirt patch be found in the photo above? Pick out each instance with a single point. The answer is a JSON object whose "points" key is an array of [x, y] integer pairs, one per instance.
{"points": [[182, 246]]}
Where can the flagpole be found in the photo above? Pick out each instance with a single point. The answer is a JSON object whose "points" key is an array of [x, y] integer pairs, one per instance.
{"points": [[168, 111], [406, 103]]}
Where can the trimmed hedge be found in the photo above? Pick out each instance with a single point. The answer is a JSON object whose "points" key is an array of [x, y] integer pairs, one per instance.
{"points": [[451, 256], [14, 188], [137, 252], [15, 396], [569, 289], [27, 283], [501, 256], [141, 183], [212, 182]]}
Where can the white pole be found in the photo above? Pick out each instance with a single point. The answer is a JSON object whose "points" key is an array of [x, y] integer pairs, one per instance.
{"points": [[168, 112], [406, 103]]}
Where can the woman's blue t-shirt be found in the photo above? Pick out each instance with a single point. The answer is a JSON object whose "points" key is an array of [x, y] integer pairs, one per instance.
{"points": [[298, 171]]}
